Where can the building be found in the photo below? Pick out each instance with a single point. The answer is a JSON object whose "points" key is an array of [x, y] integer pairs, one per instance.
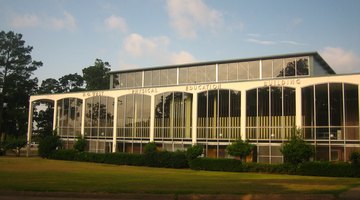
{"points": [[213, 103]]}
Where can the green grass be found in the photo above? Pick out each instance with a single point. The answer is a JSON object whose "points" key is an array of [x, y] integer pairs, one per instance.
{"points": [[36, 174]]}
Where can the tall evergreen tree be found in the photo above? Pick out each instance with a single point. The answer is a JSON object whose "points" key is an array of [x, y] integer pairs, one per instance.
{"points": [[96, 77], [16, 69]]}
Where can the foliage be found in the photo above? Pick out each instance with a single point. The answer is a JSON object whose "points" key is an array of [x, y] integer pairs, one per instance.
{"points": [[216, 164], [48, 145], [355, 158], [194, 152], [240, 148], [16, 83], [15, 144], [150, 148], [71, 83], [80, 144], [296, 150], [97, 77], [50, 86], [330, 169], [166, 159]]}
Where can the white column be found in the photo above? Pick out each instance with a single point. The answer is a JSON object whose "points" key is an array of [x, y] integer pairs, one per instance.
{"points": [[243, 114], [298, 120], [194, 118], [55, 115], [30, 128], [115, 124], [152, 118], [83, 119]]}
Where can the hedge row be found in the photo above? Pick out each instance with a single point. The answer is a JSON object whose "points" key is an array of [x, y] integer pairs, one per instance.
{"points": [[308, 169], [155, 159]]}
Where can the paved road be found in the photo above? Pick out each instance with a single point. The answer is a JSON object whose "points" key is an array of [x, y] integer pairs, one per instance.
{"points": [[353, 194]]}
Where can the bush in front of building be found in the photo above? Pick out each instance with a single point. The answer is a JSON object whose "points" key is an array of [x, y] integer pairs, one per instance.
{"points": [[240, 148], [296, 150], [194, 151], [355, 158], [48, 145], [80, 144], [330, 169], [216, 164], [166, 159]]}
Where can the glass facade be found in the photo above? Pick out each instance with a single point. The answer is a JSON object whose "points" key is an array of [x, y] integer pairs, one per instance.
{"points": [[330, 114], [133, 122], [210, 73], [68, 119], [99, 120], [172, 118]]}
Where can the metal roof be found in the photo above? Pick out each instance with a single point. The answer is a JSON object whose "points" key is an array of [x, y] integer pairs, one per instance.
{"points": [[316, 56]]}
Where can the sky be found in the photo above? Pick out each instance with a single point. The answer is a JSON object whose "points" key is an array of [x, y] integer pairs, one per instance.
{"points": [[68, 35]]}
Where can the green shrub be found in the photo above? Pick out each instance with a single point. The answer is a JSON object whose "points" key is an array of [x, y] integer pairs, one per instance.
{"points": [[240, 148], [355, 158], [194, 152], [296, 150], [80, 144], [48, 145], [166, 159], [150, 147], [63, 154], [216, 164], [330, 169]]}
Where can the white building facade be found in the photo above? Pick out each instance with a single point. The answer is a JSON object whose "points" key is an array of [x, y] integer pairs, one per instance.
{"points": [[214, 103]]}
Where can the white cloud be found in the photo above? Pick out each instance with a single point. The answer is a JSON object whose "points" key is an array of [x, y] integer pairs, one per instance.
{"points": [[187, 16], [116, 23], [67, 22], [154, 50], [292, 43], [262, 42], [341, 60]]}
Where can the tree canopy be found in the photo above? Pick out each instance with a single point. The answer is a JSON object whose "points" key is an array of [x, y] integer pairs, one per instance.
{"points": [[16, 69], [96, 76], [240, 148]]}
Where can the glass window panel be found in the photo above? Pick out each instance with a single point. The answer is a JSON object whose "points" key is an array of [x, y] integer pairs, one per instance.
{"points": [[263, 101], [192, 74], [223, 72], [155, 77], [172, 76], [159, 107], [266, 67], [289, 67], [130, 79], [278, 68], [243, 71], [121, 111], [232, 71], [137, 110], [129, 112], [202, 105], [302, 66], [183, 75], [307, 100], [254, 70], [102, 111], [223, 103], [212, 103], [321, 105], [351, 105], [122, 80], [146, 111], [138, 79], [163, 77], [147, 78], [168, 108], [235, 105], [289, 101], [210, 73], [336, 104], [88, 112], [276, 101], [116, 81], [201, 74]]}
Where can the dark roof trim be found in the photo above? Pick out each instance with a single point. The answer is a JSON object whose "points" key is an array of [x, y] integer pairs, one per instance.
{"points": [[316, 56]]}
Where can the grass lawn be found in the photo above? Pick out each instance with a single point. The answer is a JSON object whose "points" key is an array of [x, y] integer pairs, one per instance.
{"points": [[36, 174]]}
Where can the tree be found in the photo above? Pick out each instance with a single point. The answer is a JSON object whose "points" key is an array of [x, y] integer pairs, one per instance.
{"points": [[150, 148], [80, 144], [15, 144], [97, 77], [50, 86], [194, 152], [71, 83], [48, 145], [240, 148], [296, 150], [16, 69]]}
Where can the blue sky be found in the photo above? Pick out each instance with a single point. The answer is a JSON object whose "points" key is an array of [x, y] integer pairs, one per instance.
{"points": [[68, 35]]}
